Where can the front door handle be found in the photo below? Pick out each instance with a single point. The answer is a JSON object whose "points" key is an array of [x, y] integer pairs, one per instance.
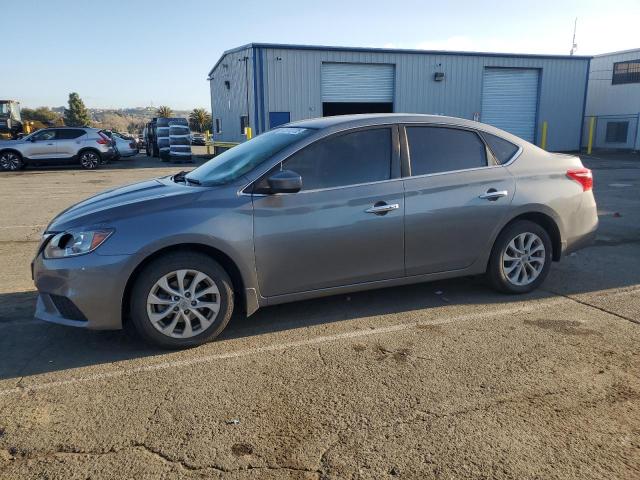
{"points": [[380, 208], [493, 194]]}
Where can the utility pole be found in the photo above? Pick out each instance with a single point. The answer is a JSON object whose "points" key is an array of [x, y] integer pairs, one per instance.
{"points": [[574, 45]]}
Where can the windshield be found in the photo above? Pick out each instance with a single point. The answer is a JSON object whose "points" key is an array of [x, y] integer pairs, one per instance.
{"points": [[243, 158]]}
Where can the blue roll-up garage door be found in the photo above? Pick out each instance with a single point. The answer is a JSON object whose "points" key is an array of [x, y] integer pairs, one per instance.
{"points": [[357, 82], [510, 99]]}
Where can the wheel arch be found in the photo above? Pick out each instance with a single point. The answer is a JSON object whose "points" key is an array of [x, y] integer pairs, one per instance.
{"points": [[546, 221], [86, 149], [219, 256], [13, 150]]}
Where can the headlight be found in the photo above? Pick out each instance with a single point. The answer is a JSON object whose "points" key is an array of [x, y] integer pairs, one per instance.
{"points": [[70, 244]]}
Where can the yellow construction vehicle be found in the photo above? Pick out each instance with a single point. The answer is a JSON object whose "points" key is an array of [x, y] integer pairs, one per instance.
{"points": [[11, 125]]}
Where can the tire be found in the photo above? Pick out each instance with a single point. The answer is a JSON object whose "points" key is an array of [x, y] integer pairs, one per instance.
{"points": [[172, 317], [11, 161], [90, 160], [155, 152], [506, 275]]}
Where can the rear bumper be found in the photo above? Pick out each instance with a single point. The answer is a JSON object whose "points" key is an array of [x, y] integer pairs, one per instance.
{"points": [[581, 241], [108, 154], [84, 291]]}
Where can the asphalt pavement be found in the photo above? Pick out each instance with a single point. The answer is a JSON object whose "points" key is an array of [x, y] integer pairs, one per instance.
{"points": [[443, 380]]}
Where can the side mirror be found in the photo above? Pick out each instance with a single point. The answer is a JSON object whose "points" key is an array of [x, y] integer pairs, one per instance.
{"points": [[285, 181]]}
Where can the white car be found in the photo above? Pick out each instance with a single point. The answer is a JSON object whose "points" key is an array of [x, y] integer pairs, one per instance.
{"points": [[126, 147]]}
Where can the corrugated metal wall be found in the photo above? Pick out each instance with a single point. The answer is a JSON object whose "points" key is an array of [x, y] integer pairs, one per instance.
{"points": [[292, 83], [230, 104], [610, 103]]}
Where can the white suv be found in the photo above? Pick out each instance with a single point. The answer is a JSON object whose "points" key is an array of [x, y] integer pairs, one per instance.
{"points": [[88, 147]]}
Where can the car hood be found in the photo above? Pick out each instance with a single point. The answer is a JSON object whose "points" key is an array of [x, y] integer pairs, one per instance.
{"points": [[110, 205]]}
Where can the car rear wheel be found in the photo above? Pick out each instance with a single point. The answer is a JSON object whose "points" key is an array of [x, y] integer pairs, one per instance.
{"points": [[181, 300], [521, 258], [89, 160], [11, 161]]}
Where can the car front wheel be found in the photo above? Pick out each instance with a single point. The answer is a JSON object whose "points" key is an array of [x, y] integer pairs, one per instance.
{"points": [[89, 160], [521, 258], [11, 161], [181, 300]]}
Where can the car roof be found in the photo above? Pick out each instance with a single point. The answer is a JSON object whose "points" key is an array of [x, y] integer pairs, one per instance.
{"points": [[376, 118], [342, 122]]}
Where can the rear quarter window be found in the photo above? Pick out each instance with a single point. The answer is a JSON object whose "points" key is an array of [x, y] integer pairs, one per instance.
{"points": [[502, 149]]}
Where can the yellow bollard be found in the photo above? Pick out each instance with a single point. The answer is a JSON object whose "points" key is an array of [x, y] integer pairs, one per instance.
{"points": [[592, 122], [543, 141], [249, 133], [207, 137]]}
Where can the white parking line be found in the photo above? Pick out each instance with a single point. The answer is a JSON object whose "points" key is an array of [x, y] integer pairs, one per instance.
{"points": [[530, 306]]}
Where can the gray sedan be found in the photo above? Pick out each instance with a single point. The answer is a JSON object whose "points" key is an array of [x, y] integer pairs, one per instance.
{"points": [[313, 208]]}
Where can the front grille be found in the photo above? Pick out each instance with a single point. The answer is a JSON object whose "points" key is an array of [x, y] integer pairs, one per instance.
{"points": [[67, 308]]}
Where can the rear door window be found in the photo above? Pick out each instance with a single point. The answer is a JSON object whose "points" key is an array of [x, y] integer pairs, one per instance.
{"points": [[444, 149], [70, 133], [502, 149], [352, 158]]}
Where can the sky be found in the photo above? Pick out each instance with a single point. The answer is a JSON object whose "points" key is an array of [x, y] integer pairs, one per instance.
{"points": [[137, 53]]}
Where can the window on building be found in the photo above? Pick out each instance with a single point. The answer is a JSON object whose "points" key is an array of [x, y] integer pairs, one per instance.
{"points": [[349, 159], [218, 126], [626, 72], [244, 123], [439, 149], [617, 132], [501, 148]]}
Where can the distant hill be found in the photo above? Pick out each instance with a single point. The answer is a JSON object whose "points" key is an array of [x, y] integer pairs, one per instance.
{"points": [[130, 120]]}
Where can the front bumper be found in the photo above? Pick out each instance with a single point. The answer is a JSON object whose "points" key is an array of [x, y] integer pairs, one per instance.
{"points": [[84, 291]]}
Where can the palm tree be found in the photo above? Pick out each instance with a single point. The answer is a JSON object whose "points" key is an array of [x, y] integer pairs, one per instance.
{"points": [[163, 111], [199, 120]]}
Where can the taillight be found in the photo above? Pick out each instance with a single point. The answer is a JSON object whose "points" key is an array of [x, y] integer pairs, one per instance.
{"points": [[103, 140], [583, 176], [132, 145]]}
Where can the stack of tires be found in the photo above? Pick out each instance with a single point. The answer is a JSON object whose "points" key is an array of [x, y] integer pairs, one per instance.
{"points": [[174, 140], [162, 134], [179, 140]]}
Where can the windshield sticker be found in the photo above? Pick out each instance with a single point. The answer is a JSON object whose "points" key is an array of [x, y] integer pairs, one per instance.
{"points": [[289, 131]]}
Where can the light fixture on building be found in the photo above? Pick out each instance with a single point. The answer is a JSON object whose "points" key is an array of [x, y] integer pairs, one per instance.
{"points": [[438, 76]]}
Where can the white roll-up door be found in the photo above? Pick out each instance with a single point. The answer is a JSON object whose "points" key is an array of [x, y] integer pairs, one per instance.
{"points": [[357, 82], [510, 99]]}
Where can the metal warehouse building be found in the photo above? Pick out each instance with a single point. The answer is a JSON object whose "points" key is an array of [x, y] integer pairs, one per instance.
{"points": [[265, 85], [613, 101]]}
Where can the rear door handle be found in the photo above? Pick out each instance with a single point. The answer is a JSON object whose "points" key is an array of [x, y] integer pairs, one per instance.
{"points": [[493, 194], [380, 208]]}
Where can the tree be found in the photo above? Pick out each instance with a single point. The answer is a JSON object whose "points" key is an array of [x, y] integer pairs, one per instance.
{"points": [[199, 120], [164, 111], [113, 121], [77, 114], [40, 114]]}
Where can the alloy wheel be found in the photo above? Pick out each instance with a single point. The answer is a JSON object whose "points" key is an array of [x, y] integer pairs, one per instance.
{"points": [[10, 161], [524, 258], [183, 303], [89, 160]]}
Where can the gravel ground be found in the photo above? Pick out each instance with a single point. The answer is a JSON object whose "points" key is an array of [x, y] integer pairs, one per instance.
{"points": [[445, 380]]}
